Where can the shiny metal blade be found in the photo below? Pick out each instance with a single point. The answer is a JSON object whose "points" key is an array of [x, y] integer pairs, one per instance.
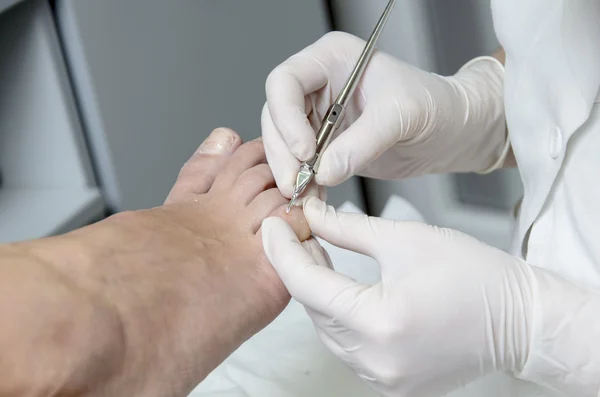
{"points": [[290, 205], [305, 175]]}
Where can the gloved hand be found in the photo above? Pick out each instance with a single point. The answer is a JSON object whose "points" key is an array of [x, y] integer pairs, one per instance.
{"points": [[448, 309], [401, 122]]}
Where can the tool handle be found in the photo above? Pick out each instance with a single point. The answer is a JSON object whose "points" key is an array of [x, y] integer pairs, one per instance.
{"points": [[334, 116], [364, 59], [330, 124]]}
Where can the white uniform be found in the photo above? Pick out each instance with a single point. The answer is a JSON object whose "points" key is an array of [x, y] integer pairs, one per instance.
{"points": [[552, 100], [551, 93]]}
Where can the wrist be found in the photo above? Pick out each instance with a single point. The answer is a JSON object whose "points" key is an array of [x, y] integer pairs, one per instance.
{"points": [[480, 83], [517, 315], [565, 337]]}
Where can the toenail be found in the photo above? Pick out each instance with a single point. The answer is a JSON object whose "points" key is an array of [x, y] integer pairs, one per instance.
{"points": [[220, 141]]}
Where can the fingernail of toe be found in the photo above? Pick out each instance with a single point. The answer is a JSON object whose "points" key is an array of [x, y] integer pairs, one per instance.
{"points": [[220, 141]]}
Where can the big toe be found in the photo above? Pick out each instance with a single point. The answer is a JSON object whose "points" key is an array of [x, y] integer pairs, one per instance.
{"points": [[295, 218], [198, 174]]}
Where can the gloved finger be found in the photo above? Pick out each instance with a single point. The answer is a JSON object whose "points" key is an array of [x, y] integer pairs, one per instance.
{"points": [[318, 253], [342, 334], [287, 86], [313, 190], [359, 145], [283, 163], [346, 354], [333, 346], [314, 286], [321, 192], [355, 232]]}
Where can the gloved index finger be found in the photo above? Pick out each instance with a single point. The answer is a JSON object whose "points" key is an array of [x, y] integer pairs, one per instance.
{"points": [[371, 135], [283, 163], [317, 287], [286, 88]]}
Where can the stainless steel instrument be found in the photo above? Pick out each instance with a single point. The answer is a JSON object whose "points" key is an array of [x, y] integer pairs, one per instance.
{"points": [[336, 112]]}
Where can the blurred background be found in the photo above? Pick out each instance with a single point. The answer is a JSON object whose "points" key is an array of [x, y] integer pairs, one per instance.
{"points": [[101, 102]]}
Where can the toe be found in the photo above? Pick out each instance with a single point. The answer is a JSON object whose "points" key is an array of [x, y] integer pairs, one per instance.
{"points": [[263, 206], [253, 182], [295, 218], [198, 174], [272, 203], [246, 157]]}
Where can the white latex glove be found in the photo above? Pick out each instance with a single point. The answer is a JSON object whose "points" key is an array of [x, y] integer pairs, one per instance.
{"points": [[401, 122], [448, 309]]}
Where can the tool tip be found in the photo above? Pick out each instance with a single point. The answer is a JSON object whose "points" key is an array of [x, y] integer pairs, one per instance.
{"points": [[290, 205]]}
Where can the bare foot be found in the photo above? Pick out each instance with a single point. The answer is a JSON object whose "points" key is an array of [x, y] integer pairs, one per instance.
{"points": [[242, 176], [189, 280], [214, 214]]}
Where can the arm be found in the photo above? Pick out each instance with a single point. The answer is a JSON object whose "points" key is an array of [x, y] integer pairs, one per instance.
{"points": [[500, 55]]}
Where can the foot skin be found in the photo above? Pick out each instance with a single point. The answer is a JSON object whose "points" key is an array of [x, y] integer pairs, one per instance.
{"points": [[214, 213], [189, 279], [239, 173]]}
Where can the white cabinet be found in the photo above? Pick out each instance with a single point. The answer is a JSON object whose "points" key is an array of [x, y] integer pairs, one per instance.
{"points": [[48, 185]]}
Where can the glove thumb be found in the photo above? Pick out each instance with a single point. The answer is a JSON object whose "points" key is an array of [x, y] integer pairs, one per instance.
{"points": [[355, 232], [371, 135], [305, 273]]}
